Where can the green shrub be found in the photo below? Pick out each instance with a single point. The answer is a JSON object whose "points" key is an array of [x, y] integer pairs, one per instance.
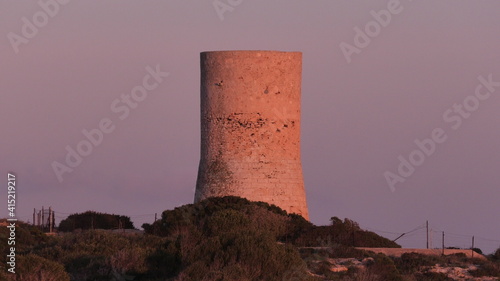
{"points": [[487, 269], [477, 250], [432, 276], [34, 268], [255, 254], [227, 238], [95, 220], [496, 255], [27, 237], [102, 255], [345, 232], [166, 260], [384, 267], [410, 263], [334, 252]]}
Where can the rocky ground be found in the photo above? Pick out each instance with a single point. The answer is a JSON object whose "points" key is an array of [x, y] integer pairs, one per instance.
{"points": [[359, 269]]}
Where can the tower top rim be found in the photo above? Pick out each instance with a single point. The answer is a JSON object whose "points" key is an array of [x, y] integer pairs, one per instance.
{"points": [[250, 52]]}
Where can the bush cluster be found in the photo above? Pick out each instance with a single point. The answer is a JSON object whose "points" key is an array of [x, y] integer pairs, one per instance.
{"points": [[95, 220], [228, 238], [218, 239], [346, 232]]}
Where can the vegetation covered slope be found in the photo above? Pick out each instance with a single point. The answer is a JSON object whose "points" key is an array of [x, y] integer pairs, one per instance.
{"points": [[239, 213], [224, 239]]}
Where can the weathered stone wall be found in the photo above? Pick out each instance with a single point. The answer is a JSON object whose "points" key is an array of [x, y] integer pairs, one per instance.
{"points": [[250, 128]]}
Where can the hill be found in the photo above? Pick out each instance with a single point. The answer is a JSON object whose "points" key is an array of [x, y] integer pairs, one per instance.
{"points": [[226, 238]]}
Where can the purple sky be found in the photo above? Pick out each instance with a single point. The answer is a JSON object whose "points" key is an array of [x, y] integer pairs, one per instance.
{"points": [[357, 117]]}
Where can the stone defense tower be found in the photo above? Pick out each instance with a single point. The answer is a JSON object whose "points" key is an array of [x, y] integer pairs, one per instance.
{"points": [[250, 128]]}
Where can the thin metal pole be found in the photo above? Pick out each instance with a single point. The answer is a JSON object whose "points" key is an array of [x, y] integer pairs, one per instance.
{"points": [[443, 243], [472, 246], [427, 227], [43, 219], [50, 219]]}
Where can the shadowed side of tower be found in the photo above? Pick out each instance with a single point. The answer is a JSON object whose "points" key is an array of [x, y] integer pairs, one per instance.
{"points": [[250, 128]]}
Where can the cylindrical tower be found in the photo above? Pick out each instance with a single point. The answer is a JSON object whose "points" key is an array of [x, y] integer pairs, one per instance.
{"points": [[250, 128]]}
